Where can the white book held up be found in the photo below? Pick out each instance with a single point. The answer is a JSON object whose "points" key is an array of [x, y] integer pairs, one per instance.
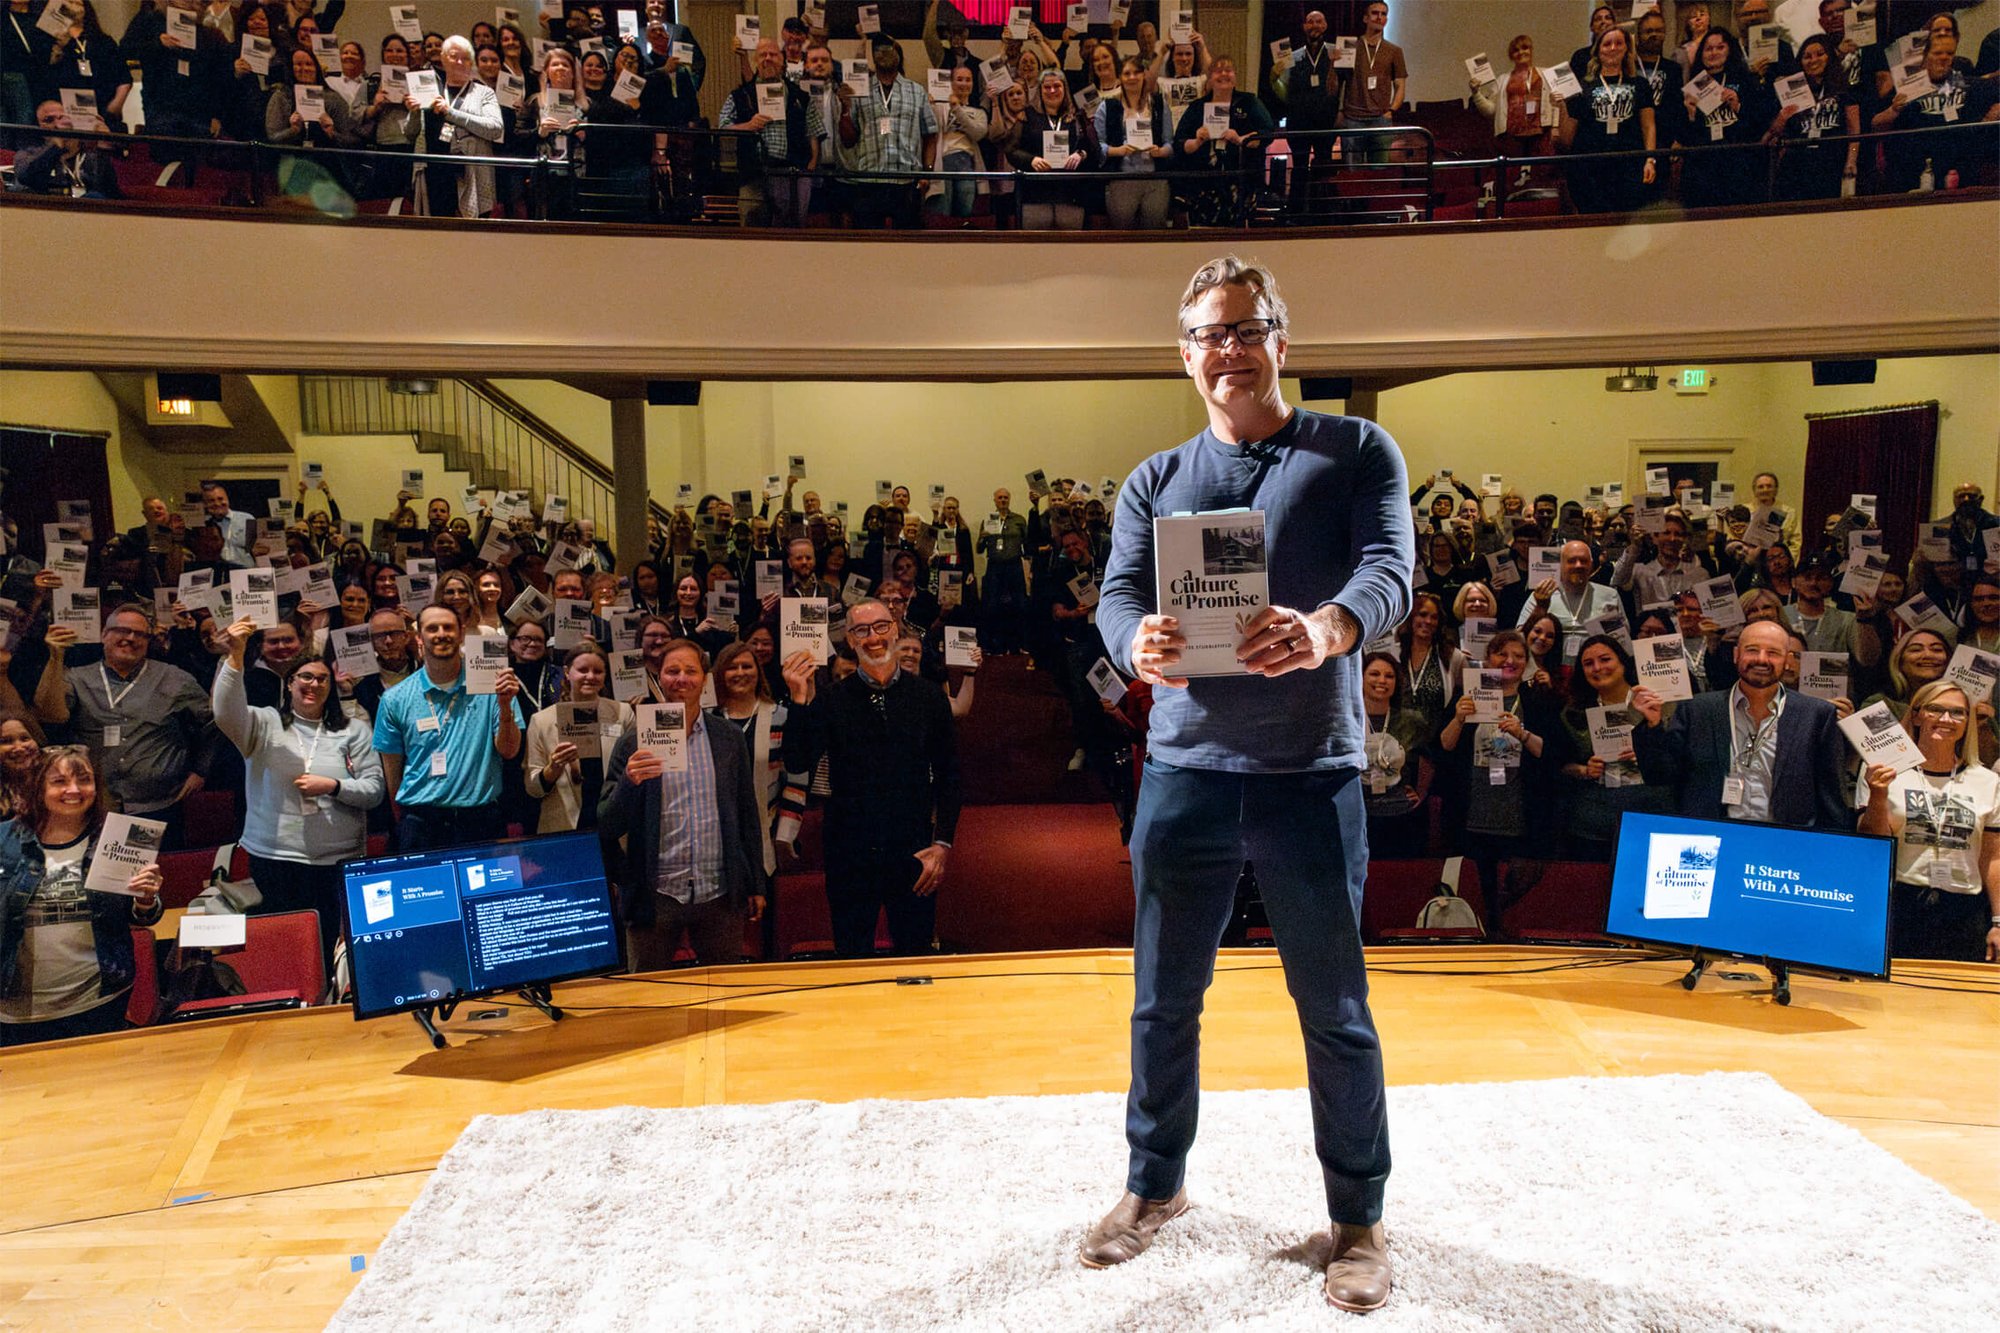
{"points": [[1210, 575]]}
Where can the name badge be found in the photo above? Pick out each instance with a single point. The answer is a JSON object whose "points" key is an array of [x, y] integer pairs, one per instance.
{"points": [[882, 126], [1732, 790], [1312, 81], [1371, 83], [183, 69], [437, 764], [83, 67], [427, 724], [114, 737], [1940, 871], [1496, 776], [447, 134], [1530, 107]]}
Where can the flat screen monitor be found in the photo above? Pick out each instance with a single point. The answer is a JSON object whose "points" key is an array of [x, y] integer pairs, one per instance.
{"points": [[1794, 896], [427, 928]]}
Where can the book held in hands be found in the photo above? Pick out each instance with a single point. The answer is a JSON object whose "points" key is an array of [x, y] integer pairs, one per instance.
{"points": [[1210, 576]]}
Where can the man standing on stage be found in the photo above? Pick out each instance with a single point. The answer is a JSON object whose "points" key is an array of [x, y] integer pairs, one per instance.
{"points": [[1264, 767]]}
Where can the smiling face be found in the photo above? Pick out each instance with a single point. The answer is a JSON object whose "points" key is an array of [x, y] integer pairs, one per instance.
{"points": [[1714, 52], [305, 69], [1941, 722], [585, 675], [1761, 653], [1510, 658], [681, 677], [18, 748], [1601, 667], [69, 788], [127, 636], [310, 686], [442, 636], [739, 677], [1378, 682], [1232, 377], [1478, 601], [1923, 656], [354, 604], [1543, 636], [1611, 49]]}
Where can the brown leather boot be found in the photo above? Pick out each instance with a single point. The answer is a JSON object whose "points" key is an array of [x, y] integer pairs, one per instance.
{"points": [[1127, 1231], [1357, 1272]]}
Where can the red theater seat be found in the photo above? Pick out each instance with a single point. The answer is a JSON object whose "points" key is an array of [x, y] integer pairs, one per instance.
{"points": [[1395, 895], [280, 960]]}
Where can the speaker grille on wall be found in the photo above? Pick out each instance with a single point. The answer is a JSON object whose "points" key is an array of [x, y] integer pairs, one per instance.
{"points": [[673, 393], [1843, 372], [1341, 387], [198, 388]]}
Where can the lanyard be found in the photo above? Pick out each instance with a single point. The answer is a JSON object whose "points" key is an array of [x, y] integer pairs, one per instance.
{"points": [[887, 97], [449, 709], [117, 700], [1741, 754], [1429, 668], [1371, 54], [312, 751]]}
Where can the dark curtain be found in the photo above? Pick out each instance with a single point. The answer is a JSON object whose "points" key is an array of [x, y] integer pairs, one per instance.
{"points": [[1887, 452], [45, 466]]}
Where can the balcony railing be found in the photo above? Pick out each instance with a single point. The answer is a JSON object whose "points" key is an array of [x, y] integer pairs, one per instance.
{"points": [[699, 185]]}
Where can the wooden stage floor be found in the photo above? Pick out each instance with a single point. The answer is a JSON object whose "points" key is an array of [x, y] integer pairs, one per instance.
{"points": [[236, 1174]]}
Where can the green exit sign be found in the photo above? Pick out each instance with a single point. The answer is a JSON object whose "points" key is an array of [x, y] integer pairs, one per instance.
{"points": [[1694, 379]]}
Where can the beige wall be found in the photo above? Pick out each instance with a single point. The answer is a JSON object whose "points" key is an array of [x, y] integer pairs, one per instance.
{"points": [[708, 307], [1560, 430], [1543, 430], [80, 402]]}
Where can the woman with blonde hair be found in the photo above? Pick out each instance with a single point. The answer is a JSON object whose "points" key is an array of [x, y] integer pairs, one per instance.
{"points": [[1945, 817]]}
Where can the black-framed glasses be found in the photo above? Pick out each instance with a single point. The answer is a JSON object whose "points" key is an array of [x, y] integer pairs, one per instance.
{"points": [[1247, 332], [874, 629]]}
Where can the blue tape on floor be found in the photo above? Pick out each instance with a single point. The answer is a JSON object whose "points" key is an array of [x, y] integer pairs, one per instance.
{"points": [[192, 1198], [357, 1263]]}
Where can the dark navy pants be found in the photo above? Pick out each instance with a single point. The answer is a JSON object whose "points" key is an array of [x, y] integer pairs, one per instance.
{"points": [[1307, 835]]}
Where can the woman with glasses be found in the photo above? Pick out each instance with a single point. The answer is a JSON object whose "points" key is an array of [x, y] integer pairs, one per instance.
{"points": [[66, 959], [1945, 817], [310, 778], [564, 775], [540, 674]]}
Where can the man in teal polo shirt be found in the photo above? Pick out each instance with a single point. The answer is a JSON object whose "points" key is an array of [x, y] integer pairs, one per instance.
{"points": [[441, 746]]}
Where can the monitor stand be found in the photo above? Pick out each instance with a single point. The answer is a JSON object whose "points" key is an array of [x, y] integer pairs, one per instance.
{"points": [[1781, 976], [427, 1016]]}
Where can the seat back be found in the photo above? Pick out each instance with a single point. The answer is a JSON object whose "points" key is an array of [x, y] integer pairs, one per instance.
{"points": [[281, 953], [145, 997]]}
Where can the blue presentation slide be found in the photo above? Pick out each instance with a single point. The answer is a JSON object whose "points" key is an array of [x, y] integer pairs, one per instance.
{"points": [[435, 926], [1791, 895]]}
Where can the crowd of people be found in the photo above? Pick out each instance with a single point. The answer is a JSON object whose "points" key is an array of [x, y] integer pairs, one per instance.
{"points": [[1564, 660], [1107, 119]]}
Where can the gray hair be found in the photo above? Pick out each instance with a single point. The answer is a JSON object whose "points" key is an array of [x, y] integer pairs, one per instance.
{"points": [[456, 42], [1229, 271]]}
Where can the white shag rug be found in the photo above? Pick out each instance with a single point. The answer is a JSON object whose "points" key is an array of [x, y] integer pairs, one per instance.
{"points": [[1667, 1203]]}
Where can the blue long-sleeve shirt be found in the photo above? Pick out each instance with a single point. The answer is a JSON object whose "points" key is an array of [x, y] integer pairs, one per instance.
{"points": [[1337, 530]]}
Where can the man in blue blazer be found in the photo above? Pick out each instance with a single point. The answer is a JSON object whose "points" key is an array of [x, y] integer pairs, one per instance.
{"points": [[1755, 751]]}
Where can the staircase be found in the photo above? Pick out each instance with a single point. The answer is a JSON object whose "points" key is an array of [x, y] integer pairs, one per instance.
{"points": [[476, 429]]}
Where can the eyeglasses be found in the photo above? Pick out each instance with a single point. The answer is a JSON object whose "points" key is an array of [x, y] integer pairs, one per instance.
{"points": [[1943, 714], [874, 629], [1247, 332], [120, 632]]}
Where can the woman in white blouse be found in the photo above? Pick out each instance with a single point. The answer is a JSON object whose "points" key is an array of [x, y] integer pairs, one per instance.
{"points": [[566, 773]]}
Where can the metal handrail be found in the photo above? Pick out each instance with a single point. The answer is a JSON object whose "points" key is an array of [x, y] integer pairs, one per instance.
{"points": [[501, 433]]}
